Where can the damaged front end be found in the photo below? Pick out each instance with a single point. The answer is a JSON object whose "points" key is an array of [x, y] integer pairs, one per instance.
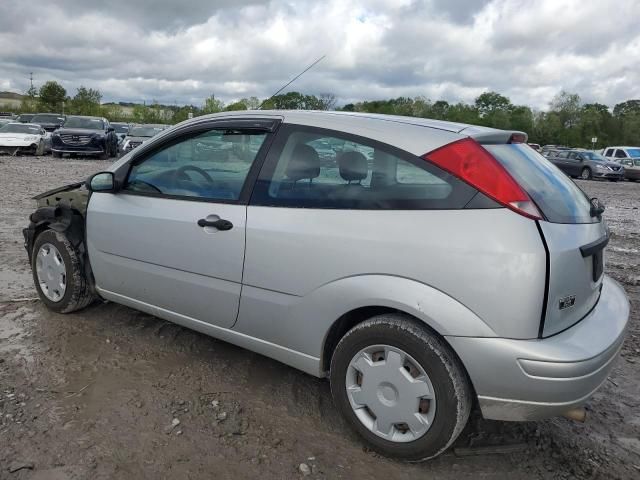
{"points": [[62, 210]]}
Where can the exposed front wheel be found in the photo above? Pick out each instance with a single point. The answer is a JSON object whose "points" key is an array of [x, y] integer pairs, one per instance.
{"points": [[58, 274], [586, 173], [400, 387]]}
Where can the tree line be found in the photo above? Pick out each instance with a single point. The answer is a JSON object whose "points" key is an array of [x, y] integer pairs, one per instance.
{"points": [[568, 121]]}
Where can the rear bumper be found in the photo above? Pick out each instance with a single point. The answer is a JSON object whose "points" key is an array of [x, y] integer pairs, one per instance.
{"points": [[535, 379]]}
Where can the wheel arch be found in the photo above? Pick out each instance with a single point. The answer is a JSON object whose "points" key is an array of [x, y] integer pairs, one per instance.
{"points": [[61, 218], [438, 312]]}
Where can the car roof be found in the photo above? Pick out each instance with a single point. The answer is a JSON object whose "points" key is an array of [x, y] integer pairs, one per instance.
{"points": [[614, 146], [404, 132], [313, 116]]}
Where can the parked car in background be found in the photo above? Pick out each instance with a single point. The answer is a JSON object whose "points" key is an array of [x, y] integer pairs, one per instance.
{"points": [[535, 146], [350, 269], [138, 134], [22, 138], [121, 129], [49, 121], [617, 154], [549, 148], [25, 117], [85, 136], [586, 164], [631, 168], [5, 121]]}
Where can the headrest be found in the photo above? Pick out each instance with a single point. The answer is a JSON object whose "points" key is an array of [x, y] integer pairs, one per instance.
{"points": [[353, 166], [304, 163]]}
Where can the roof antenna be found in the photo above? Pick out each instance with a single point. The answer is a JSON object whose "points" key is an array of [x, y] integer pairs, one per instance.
{"points": [[293, 80]]}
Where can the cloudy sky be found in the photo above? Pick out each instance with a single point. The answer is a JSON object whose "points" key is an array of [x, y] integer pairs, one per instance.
{"points": [[183, 51]]}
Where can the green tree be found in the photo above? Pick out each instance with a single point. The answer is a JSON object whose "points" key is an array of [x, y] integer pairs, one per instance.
{"points": [[628, 107], [212, 105], [86, 101], [490, 102], [52, 94]]}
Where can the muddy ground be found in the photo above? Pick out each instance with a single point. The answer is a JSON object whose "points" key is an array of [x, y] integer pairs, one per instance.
{"points": [[92, 395]]}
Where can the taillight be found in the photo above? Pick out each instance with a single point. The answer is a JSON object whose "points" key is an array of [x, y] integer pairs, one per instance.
{"points": [[467, 160]]}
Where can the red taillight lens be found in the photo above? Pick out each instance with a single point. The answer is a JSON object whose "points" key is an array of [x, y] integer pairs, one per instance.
{"points": [[467, 160]]}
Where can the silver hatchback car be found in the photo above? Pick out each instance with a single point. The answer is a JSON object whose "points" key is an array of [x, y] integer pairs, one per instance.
{"points": [[422, 266]]}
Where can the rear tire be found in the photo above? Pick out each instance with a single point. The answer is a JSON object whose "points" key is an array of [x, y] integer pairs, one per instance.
{"points": [[586, 174], [402, 340], [58, 275]]}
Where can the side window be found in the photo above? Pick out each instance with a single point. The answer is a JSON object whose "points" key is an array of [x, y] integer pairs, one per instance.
{"points": [[211, 165], [609, 152], [573, 156], [317, 168], [620, 154], [562, 154]]}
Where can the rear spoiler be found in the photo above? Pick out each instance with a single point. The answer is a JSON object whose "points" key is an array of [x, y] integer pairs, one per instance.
{"points": [[493, 136]]}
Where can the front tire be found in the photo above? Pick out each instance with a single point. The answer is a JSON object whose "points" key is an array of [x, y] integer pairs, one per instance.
{"points": [[586, 174], [400, 387], [58, 274]]}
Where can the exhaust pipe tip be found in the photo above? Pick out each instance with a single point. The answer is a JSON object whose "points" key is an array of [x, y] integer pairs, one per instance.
{"points": [[578, 414]]}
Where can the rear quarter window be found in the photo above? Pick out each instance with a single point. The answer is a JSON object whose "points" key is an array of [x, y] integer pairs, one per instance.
{"points": [[317, 168], [556, 195]]}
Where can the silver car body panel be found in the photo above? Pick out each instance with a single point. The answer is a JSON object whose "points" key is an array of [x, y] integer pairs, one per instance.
{"points": [[165, 259], [296, 251], [570, 274], [278, 280], [532, 379]]}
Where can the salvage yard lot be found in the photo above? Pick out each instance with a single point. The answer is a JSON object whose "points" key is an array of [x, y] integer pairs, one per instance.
{"points": [[94, 394]]}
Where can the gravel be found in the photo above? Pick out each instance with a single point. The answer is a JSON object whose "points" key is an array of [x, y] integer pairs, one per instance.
{"points": [[89, 395]]}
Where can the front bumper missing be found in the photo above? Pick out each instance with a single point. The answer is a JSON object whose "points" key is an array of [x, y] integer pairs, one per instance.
{"points": [[541, 378]]}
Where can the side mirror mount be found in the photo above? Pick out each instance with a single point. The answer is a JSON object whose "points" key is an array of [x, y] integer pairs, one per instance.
{"points": [[102, 182]]}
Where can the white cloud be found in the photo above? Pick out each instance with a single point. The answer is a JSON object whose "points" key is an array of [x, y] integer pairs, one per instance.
{"points": [[452, 49]]}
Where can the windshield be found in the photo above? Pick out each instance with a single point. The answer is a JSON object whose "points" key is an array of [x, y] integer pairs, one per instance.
{"points": [[593, 156], [120, 128], [84, 122], [20, 128], [634, 152], [555, 194], [144, 131], [47, 119]]}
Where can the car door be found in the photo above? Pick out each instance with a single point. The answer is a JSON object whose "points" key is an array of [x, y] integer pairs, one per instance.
{"points": [[620, 154], [559, 159], [574, 164], [173, 237]]}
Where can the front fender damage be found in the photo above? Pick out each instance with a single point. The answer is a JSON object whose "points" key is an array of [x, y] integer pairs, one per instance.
{"points": [[63, 215]]}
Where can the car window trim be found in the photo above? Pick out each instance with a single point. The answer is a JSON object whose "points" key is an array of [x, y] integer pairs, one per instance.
{"points": [[268, 125], [270, 162]]}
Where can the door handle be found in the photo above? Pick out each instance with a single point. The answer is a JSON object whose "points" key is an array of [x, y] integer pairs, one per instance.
{"points": [[219, 224]]}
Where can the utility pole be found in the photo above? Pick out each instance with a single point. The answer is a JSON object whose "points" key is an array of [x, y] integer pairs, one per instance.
{"points": [[31, 79]]}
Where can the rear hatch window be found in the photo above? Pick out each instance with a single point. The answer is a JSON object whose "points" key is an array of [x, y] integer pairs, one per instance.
{"points": [[558, 198]]}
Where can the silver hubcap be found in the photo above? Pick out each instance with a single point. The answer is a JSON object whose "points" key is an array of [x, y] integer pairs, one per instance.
{"points": [[390, 393], [51, 272]]}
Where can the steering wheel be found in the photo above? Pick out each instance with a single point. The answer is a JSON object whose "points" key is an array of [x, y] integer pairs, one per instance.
{"points": [[185, 168], [146, 184]]}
